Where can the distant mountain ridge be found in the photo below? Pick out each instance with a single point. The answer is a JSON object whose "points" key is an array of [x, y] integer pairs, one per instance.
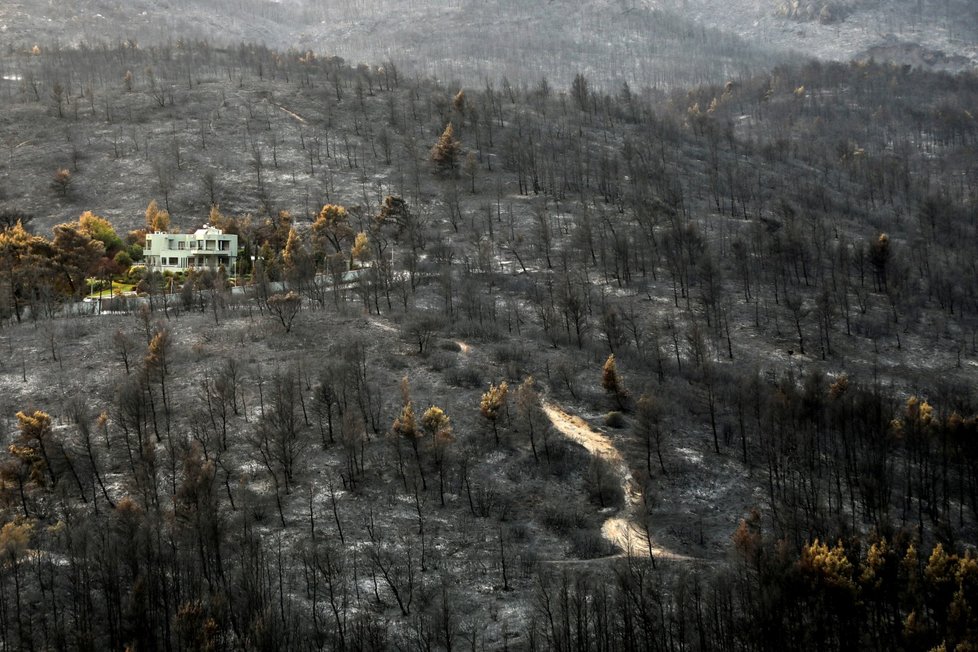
{"points": [[646, 43], [850, 29]]}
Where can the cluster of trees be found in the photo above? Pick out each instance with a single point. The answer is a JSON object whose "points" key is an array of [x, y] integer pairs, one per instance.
{"points": [[138, 525], [844, 596], [642, 174], [263, 508], [36, 273]]}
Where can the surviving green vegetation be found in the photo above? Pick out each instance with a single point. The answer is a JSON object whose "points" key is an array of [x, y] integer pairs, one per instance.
{"points": [[99, 288], [505, 365]]}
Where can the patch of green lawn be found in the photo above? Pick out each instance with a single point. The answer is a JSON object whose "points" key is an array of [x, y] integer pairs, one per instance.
{"points": [[118, 287]]}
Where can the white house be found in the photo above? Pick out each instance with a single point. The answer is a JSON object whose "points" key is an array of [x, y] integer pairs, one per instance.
{"points": [[207, 248]]}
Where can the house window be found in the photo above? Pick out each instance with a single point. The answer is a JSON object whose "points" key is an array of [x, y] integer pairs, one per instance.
{"points": [[149, 242], [174, 261]]}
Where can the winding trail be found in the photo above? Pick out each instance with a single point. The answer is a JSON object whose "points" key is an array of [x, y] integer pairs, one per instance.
{"points": [[381, 324], [623, 531], [293, 114]]}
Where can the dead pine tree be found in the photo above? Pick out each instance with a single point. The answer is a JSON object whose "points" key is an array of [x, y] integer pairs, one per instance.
{"points": [[612, 382], [493, 406]]}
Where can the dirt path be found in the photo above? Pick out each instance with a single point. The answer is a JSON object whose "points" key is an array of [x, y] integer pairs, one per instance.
{"points": [[294, 115], [382, 325], [623, 531]]}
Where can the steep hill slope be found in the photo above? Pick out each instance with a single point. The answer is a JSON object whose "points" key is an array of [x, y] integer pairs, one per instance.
{"points": [[751, 303], [943, 34], [644, 42], [611, 41]]}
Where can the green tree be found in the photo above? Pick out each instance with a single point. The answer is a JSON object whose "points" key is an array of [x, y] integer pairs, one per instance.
{"points": [[24, 266], [99, 228], [395, 211], [123, 260], [75, 255]]}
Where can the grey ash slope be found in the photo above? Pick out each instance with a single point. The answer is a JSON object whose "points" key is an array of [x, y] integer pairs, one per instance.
{"points": [[611, 41], [652, 43], [923, 33]]}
